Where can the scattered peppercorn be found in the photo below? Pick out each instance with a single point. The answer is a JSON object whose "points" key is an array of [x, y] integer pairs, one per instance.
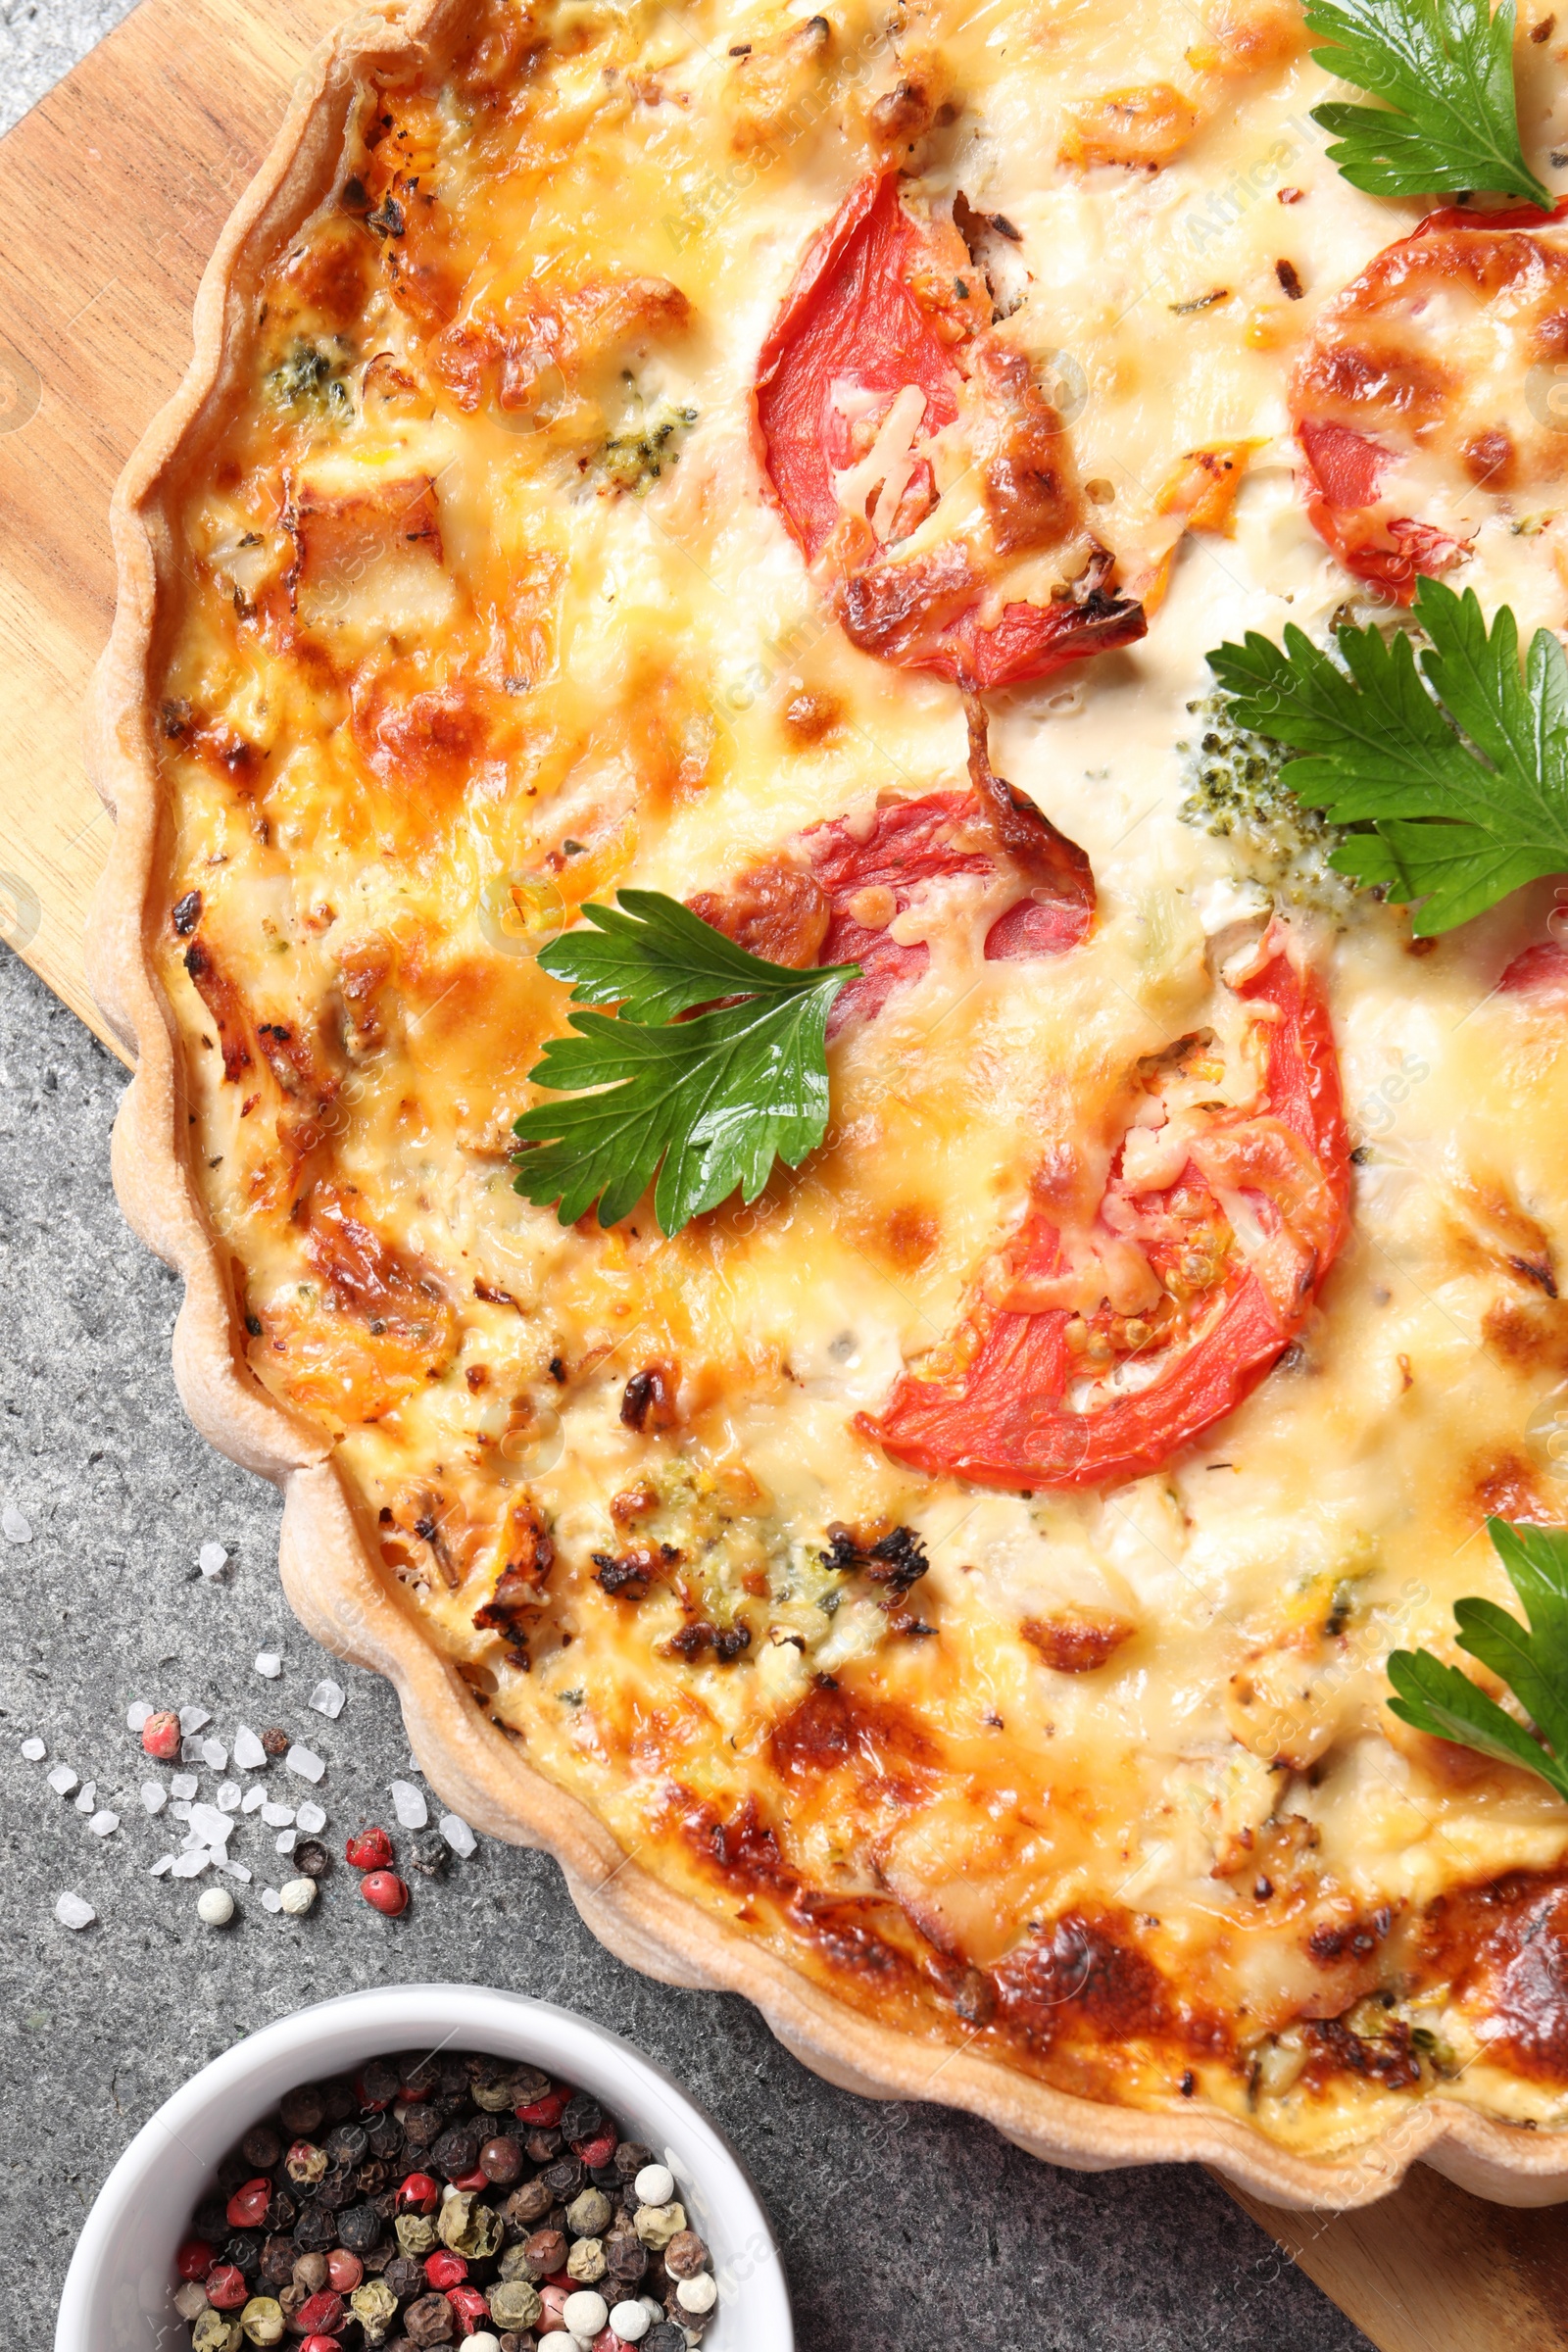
{"points": [[385, 1891], [160, 1737], [372, 1849], [328, 2225], [312, 1859], [276, 1742]]}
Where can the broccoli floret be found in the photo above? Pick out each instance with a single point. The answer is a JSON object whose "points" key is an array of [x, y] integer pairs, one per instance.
{"points": [[311, 378], [1239, 788], [646, 447]]}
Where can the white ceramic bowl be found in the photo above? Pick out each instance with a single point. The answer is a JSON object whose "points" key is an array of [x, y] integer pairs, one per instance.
{"points": [[119, 2289]]}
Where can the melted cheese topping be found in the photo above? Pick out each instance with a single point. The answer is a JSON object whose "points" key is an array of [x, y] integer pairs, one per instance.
{"points": [[485, 610]]}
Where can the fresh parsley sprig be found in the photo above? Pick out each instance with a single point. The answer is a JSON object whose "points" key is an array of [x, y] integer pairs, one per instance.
{"points": [[1532, 1660], [1450, 122], [710, 1103], [1458, 762]]}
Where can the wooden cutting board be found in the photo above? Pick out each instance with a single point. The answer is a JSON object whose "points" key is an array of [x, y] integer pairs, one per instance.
{"points": [[113, 192]]}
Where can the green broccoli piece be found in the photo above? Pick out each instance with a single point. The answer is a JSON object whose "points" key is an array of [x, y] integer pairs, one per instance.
{"points": [[309, 378]]}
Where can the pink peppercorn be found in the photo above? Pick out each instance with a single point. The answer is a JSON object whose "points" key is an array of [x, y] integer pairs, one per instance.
{"points": [[322, 2314], [344, 2270], [247, 2207], [372, 1849], [160, 1737], [195, 2258], [445, 2270], [595, 2151], [385, 1891], [476, 2180], [321, 2343], [545, 2112], [225, 2287], [472, 2310], [418, 2193]]}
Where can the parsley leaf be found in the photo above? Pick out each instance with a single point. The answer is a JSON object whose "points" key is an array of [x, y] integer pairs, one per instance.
{"points": [[1458, 762], [1533, 1661], [1444, 68], [710, 1103]]}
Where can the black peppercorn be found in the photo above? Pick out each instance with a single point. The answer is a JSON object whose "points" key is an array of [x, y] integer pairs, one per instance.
{"points": [[404, 2276], [383, 2137], [451, 2081], [278, 2257], [543, 2143], [457, 2151], [244, 2252], [210, 2221], [665, 2337], [316, 2229], [584, 2117], [261, 2149], [312, 1859], [358, 2228], [301, 2110], [564, 2178], [338, 2098], [233, 2172], [346, 2143], [380, 2080], [431, 2320], [282, 2211], [335, 2189], [631, 2157], [421, 2128]]}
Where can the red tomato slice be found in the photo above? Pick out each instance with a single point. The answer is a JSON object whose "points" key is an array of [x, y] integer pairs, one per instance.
{"points": [[1344, 466], [1004, 1419], [1540, 970], [883, 301], [911, 843]]}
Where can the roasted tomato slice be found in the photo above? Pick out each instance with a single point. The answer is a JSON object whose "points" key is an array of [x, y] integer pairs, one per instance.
{"points": [[838, 901], [1418, 403], [1095, 1356], [881, 385]]}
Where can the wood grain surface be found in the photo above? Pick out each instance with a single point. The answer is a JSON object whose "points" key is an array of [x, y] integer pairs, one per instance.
{"points": [[113, 192]]}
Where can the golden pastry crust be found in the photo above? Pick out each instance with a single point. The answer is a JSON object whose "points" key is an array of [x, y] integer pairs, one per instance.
{"points": [[426, 633]]}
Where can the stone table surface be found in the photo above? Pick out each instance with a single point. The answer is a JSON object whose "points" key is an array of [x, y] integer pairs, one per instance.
{"points": [[934, 2231]]}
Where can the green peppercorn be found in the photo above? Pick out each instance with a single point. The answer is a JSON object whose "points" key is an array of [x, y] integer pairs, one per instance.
{"points": [[215, 2331], [586, 2262], [515, 2303], [469, 2228], [416, 2233], [589, 2214], [263, 2320], [376, 2307]]}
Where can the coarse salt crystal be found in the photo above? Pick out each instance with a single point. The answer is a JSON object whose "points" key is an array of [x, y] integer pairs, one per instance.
{"points": [[407, 1803], [255, 1798], [154, 1796], [136, 1714], [183, 1784], [305, 1762], [272, 1900], [191, 1865], [193, 1719], [249, 1753], [268, 1663], [212, 1559], [235, 1870], [276, 1817], [104, 1825], [228, 1796], [163, 1863], [212, 1824], [329, 1698], [73, 1912], [180, 1808], [88, 1798], [192, 1750], [457, 1833], [214, 1755], [62, 1780], [286, 1840], [35, 1751], [311, 1819], [18, 1530]]}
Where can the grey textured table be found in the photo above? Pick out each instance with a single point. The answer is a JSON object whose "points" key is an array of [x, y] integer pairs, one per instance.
{"points": [[932, 2229]]}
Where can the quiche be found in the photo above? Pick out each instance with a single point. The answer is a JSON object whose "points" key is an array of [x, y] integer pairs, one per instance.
{"points": [[796, 468]]}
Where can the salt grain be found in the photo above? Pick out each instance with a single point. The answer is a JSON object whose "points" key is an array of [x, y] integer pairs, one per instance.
{"points": [[190, 1750], [305, 1762], [407, 1803], [212, 1559], [104, 1825], [287, 1841], [180, 1808], [235, 1870], [209, 1823], [62, 1780], [189, 1865], [329, 1698], [228, 1796], [136, 1714], [249, 1753], [311, 1819], [18, 1530], [35, 1751], [163, 1863], [183, 1784], [193, 1719], [458, 1835], [70, 1909], [88, 1798], [154, 1796], [268, 1663], [214, 1755], [276, 1817], [255, 1798], [272, 1900]]}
